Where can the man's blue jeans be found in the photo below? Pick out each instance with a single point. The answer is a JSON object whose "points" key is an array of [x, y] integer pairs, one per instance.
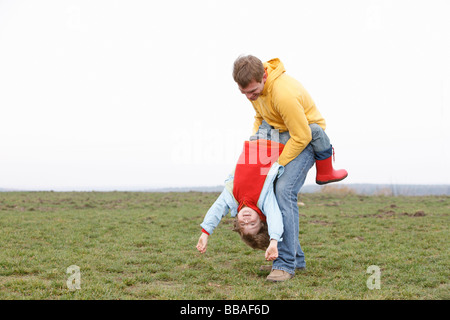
{"points": [[287, 187]]}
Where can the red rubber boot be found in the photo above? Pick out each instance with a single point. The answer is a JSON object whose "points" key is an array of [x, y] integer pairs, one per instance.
{"points": [[325, 172]]}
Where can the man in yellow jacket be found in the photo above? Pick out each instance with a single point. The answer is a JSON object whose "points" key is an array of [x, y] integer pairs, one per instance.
{"points": [[281, 103]]}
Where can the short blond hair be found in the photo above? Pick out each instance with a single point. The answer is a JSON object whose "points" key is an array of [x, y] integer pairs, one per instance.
{"points": [[246, 69]]}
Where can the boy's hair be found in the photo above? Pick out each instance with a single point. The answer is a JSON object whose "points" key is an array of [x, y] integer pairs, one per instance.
{"points": [[261, 240], [246, 69]]}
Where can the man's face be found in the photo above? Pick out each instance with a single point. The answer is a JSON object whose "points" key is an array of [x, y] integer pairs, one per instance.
{"points": [[249, 221], [254, 89]]}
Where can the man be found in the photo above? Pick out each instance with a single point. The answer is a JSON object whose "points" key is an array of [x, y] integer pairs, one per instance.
{"points": [[284, 104]]}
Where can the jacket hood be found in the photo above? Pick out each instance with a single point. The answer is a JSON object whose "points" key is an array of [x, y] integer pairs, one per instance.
{"points": [[274, 68]]}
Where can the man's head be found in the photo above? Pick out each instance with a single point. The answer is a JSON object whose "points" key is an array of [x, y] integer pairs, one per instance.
{"points": [[252, 229], [249, 74]]}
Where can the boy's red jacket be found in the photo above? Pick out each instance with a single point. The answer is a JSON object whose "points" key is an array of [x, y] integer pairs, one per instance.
{"points": [[251, 170]]}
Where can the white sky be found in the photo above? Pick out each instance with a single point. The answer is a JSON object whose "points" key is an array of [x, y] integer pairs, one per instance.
{"points": [[118, 94]]}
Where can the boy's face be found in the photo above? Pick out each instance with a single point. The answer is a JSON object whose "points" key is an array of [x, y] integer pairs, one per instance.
{"points": [[249, 221]]}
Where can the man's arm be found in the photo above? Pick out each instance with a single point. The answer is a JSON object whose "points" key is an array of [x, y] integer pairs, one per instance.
{"points": [[257, 122], [294, 118]]}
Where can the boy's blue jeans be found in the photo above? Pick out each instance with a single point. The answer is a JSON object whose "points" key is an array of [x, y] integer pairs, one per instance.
{"points": [[320, 141], [287, 187]]}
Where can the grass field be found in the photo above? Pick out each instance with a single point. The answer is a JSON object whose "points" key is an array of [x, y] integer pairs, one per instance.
{"points": [[142, 246]]}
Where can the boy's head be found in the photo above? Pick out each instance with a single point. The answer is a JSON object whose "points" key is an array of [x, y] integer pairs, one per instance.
{"points": [[251, 228]]}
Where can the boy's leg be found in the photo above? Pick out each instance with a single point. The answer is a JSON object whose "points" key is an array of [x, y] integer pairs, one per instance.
{"points": [[323, 150], [290, 254], [266, 131], [320, 142]]}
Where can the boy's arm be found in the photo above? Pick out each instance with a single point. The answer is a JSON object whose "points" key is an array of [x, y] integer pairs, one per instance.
{"points": [[272, 211], [202, 243], [272, 250], [218, 210], [273, 215]]}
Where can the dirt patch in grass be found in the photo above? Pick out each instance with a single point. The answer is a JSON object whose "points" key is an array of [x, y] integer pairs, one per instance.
{"points": [[322, 223], [384, 214]]}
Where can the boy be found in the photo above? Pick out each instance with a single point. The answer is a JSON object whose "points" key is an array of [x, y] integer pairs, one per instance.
{"points": [[249, 196]]}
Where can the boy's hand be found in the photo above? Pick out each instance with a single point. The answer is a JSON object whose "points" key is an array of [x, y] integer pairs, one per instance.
{"points": [[202, 243], [272, 250]]}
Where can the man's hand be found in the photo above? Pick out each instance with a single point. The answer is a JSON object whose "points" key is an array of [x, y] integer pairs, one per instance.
{"points": [[272, 250], [202, 243]]}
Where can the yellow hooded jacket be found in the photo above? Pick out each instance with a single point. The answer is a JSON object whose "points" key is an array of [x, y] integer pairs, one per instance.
{"points": [[286, 106]]}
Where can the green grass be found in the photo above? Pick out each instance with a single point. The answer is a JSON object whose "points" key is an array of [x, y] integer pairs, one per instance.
{"points": [[142, 246]]}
